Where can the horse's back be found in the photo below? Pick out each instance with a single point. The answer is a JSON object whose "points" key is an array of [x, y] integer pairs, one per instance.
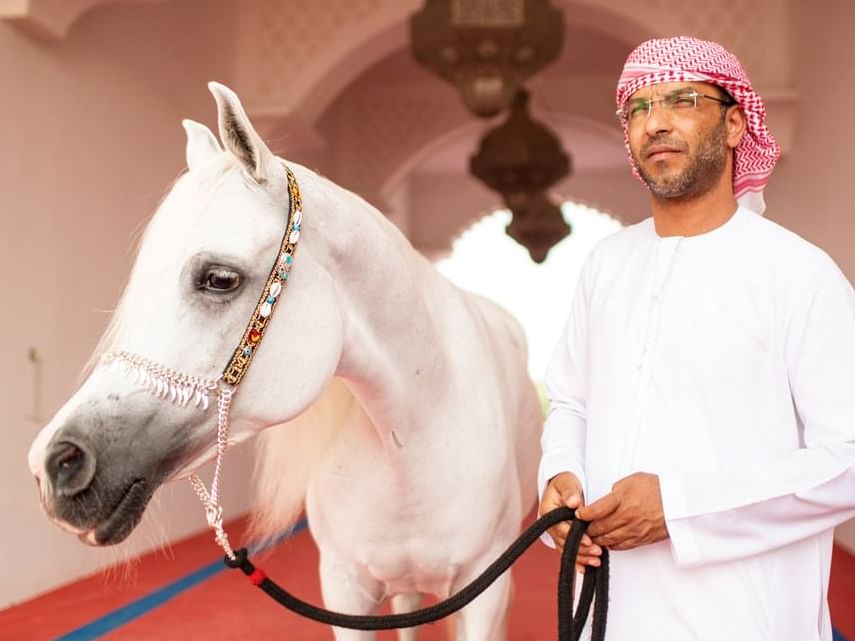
{"points": [[505, 326]]}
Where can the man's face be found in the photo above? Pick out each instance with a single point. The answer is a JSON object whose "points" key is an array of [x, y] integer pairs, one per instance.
{"points": [[680, 149]]}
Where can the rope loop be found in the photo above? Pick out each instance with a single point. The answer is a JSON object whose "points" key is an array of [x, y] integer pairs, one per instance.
{"points": [[570, 623]]}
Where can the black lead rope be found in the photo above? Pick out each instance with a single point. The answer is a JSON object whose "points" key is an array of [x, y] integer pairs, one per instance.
{"points": [[595, 588]]}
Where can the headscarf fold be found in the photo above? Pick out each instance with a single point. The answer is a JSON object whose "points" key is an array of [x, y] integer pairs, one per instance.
{"points": [[685, 59]]}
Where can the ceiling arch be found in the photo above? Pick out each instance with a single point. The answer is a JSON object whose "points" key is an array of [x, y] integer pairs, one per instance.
{"points": [[52, 19], [293, 63]]}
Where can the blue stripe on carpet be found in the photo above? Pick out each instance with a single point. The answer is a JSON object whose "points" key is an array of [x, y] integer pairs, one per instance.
{"points": [[121, 616], [837, 636]]}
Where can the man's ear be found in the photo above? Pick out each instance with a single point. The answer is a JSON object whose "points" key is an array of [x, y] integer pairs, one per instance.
{"points": [[735, 124]]}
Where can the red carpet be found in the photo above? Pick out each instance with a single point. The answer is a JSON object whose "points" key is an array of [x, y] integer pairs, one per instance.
{"points": [[227, 606], [841, 593]]}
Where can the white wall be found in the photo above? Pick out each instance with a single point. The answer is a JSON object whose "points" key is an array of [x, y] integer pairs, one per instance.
{"points": [[811, 190], [91, 138]]}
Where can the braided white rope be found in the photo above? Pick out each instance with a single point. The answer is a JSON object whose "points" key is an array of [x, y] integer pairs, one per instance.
{"points": [[213, 509], [162, 381]]}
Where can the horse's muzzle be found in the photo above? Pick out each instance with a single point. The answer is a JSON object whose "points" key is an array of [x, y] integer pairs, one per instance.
{"points": [[70, 467]]}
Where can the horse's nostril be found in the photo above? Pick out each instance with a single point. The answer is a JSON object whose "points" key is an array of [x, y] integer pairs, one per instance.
{"points": [[69, 457], [70, 468]]}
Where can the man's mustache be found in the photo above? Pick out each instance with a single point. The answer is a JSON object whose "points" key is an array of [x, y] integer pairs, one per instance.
{"points": [[663, 141]]}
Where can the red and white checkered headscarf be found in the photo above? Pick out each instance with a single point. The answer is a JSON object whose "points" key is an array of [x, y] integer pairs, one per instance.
{"points": [[685, 59]]}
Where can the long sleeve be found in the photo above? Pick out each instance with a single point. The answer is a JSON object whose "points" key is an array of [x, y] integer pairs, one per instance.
{"points": [[748, 510], [563, 439]]}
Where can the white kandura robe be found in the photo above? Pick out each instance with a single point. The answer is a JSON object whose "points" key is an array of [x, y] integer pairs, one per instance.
{"points": [[724, 363]]}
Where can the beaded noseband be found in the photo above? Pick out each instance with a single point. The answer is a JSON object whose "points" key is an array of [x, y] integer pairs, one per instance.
{"points": [[176, 387]]}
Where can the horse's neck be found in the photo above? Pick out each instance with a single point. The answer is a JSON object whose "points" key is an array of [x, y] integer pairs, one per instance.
{"points": [[393, 356]]}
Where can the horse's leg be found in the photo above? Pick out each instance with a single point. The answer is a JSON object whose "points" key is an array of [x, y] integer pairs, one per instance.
{"points": [[485, 619], [407, 603], [345, 589]]}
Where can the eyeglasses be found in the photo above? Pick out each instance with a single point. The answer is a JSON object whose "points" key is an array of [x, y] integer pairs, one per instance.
{"points": [[639, 109]]}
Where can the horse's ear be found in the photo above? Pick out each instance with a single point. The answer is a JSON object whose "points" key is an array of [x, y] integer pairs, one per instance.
{"points": [[201, 143], [239, 137]]}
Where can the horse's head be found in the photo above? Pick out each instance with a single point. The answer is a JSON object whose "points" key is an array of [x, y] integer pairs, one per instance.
{"points": [[204, 261]]}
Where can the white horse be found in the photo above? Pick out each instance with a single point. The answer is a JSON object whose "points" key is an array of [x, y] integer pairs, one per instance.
{"points": [[417, 462]]}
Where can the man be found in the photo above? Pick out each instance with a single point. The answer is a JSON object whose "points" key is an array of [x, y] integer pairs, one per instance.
{"points": [[703, 391]]}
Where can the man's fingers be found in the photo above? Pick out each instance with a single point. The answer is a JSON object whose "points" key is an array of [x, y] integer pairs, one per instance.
{"points": [[559, 534], [599, 508], [628, 544], [568, 489], [587, 554], [593, 561], [583, 560], [608, 524], [573, 501], [560, 530], [551, 500], [587, 546], [622, 538]]}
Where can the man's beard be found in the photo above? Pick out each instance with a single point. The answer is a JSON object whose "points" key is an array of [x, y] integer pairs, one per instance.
{"points": [[702, 172]]}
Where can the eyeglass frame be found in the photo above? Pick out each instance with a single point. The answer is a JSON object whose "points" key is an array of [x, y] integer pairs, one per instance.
{"points": [[679, 93]]}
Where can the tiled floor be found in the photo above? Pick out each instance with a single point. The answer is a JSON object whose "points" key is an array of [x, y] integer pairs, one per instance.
{"points": [[192, 596]]}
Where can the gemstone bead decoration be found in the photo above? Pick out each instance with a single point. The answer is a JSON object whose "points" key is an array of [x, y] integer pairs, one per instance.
{"points": [[276, 282]]}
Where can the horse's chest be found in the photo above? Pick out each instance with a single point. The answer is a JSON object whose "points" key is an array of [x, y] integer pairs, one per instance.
{"points": [[399, 516], [408, 542], [414, 566]]}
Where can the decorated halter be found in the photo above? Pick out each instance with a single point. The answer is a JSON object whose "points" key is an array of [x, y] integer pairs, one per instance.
{"points": [[176, 387]]}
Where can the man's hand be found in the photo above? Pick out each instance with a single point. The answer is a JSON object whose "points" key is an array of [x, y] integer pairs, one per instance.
{"points": [[565, 490], [628, 517]]}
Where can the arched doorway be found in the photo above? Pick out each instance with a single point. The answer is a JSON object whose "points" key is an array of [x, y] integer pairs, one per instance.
{"points": [[485, 260]]}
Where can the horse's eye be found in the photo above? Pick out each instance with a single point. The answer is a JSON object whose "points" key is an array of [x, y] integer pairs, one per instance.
{"points": [[220, 280]]}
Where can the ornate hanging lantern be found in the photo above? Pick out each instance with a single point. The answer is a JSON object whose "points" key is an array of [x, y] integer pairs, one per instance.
{"points": [[521, 159], [520, 154], [538, 226], [487, 48]]}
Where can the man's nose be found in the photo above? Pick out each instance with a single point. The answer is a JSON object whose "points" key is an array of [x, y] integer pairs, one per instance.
{"points": [[658, 120]]}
